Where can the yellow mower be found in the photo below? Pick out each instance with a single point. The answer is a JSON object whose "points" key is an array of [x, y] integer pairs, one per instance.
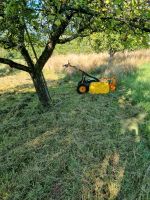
{"points": [[93, 85]]}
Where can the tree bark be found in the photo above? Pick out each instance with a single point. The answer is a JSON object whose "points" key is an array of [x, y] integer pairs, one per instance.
{"points": [[41, 88], [15, 65], [111, 56], [37, 78]]}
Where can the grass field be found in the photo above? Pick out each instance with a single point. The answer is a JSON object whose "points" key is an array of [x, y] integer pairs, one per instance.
{"points": [[87, 146]]}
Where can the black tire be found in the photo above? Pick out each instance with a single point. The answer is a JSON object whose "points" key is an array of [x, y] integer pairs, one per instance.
{"points": [[82, 88]]}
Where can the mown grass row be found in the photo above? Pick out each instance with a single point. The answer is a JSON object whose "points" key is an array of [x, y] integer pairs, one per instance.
{"points": [[85, 147]]}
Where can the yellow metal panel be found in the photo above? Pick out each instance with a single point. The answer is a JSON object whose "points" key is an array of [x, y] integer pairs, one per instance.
{"points": [[99, 88]]}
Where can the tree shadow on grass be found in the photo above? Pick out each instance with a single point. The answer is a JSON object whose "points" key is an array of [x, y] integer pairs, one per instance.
{"points": [[136, 182], [78, 149]]}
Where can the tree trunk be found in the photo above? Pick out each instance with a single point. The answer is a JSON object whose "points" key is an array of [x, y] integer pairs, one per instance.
{"points": [[111, 55], [41, 88]]}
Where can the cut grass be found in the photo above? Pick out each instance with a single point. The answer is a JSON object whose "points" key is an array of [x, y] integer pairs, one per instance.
{"points": [[86, 147]]}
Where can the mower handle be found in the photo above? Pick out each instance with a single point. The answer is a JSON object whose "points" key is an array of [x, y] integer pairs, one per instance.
{"points": [[83, 72]]}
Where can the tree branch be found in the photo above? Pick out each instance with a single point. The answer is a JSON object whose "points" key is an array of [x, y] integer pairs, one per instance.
{"points": [[79, 33], [54, 38], [47, 52], [26, 56], [68, 39], [137, 23], [15, 65], [130, 22]]}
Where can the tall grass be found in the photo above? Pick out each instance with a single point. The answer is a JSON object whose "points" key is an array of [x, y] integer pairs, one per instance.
{"points": [[122, 62]]}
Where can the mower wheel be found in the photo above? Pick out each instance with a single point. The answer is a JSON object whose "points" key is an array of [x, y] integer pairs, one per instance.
{"points": [[82, 88]]}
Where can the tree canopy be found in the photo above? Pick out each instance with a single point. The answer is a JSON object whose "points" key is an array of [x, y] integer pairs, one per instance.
{"points": [[113, 41]]}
